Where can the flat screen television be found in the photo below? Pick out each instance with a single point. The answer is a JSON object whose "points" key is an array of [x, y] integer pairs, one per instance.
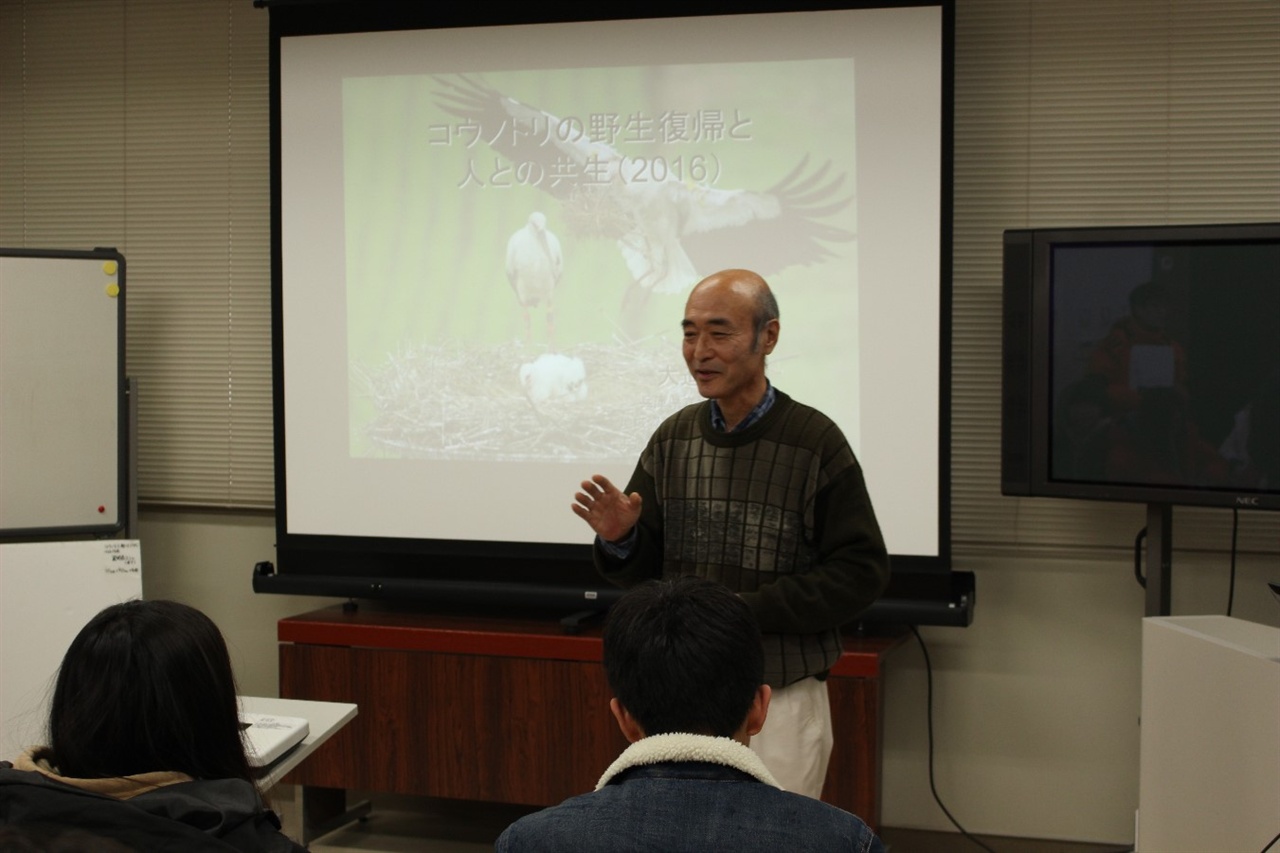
{"points": [[432, 424], [1142, 364]]}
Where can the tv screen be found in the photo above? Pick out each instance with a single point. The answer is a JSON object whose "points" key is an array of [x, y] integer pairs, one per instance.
{"points": [[437, 403], [1143, 364]]}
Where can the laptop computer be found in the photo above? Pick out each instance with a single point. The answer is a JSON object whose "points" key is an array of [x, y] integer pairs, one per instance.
{"points": [[268, 736]]}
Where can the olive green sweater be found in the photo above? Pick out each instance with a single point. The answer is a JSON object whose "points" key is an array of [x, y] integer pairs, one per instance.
{"points": [[778, 512]]}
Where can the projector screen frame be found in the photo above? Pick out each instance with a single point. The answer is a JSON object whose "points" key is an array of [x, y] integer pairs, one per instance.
{"points": [[385, 567]]}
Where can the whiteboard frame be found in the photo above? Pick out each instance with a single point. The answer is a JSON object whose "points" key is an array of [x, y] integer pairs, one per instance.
{"points": [[77, 519]]}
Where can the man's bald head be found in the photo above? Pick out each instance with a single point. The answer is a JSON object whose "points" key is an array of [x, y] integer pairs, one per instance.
{"points": [[744, 284]]}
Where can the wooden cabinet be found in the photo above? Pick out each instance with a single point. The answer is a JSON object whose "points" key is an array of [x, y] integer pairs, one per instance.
{"points": [[509, 710]]}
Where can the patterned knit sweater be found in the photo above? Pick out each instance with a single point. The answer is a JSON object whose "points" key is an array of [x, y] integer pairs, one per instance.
{"points": [[778, 512]]}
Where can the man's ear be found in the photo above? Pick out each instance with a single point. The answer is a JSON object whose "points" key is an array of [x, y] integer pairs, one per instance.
{"points": [[759, 710], [630, 728], [769, 336]]}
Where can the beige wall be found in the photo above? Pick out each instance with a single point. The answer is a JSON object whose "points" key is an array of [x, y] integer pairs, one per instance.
{"points": [[206, 560], [1036, 704]]}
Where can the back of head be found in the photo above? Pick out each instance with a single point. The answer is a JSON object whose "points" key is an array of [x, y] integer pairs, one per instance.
{"points": [[147, 686], [684, 656]]}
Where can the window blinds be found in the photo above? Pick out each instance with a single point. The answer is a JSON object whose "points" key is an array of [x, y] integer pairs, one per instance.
{"points": [[143, 125], [1095, 113]]}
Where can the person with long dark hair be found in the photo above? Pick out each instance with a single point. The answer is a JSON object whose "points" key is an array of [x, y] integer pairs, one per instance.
{"points": [[145, 741]]}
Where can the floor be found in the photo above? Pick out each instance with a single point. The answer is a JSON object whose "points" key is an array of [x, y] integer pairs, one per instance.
{"points": [[418, 825]]}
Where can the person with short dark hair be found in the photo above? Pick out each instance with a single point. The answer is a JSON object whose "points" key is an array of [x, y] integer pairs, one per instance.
{"points": [[685, 663], [145, 742]]}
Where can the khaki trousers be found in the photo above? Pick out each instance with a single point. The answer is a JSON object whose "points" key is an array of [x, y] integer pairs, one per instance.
{"points": [[795, 743]]}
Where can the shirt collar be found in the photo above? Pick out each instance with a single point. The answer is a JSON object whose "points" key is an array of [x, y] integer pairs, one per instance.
{"points": [[765, 404]]}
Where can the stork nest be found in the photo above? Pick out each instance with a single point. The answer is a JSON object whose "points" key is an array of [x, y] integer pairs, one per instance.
{"points": [[462, 402]]}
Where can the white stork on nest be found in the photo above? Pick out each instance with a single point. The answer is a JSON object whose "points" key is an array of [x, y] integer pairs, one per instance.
{"points": [[534, 265]]}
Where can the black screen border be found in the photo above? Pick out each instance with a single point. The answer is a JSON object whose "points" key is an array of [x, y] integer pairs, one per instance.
{"points": [[372, 566]]}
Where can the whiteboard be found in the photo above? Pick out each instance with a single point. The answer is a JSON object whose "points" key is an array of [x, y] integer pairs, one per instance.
{"points": [[48, 592], [62, 409]]}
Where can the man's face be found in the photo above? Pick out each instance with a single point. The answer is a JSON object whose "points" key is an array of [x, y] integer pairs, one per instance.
{"points": [[720, 347]]}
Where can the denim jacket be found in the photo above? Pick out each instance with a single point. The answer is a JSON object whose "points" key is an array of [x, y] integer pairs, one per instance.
{"points": [[679, 792]]}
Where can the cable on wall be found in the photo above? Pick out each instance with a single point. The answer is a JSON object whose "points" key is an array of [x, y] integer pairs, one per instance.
{"points": [[928, 669], [933, 788]]}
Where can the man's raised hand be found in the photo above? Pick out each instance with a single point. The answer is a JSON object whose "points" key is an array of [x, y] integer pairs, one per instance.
{"points": [[602, 505]]}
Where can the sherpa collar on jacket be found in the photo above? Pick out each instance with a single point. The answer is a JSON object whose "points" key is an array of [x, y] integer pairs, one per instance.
{"points": [[661, 749]]}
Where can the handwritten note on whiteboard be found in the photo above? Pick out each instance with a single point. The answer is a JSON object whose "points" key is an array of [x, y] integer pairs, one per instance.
{"points": [[48, 591]]}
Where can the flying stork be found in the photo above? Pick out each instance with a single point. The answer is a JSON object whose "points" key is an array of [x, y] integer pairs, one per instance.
{"points": [[669, 232]]}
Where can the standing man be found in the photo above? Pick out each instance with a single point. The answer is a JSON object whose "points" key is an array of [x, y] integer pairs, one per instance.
{"points": [[764, 495]]}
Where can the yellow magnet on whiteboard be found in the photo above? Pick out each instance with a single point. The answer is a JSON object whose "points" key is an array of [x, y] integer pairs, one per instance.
{"points": [[110, 267], [113, 290]]}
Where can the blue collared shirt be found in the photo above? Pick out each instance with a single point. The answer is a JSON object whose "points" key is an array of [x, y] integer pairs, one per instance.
{"points": [[765, 404]]}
